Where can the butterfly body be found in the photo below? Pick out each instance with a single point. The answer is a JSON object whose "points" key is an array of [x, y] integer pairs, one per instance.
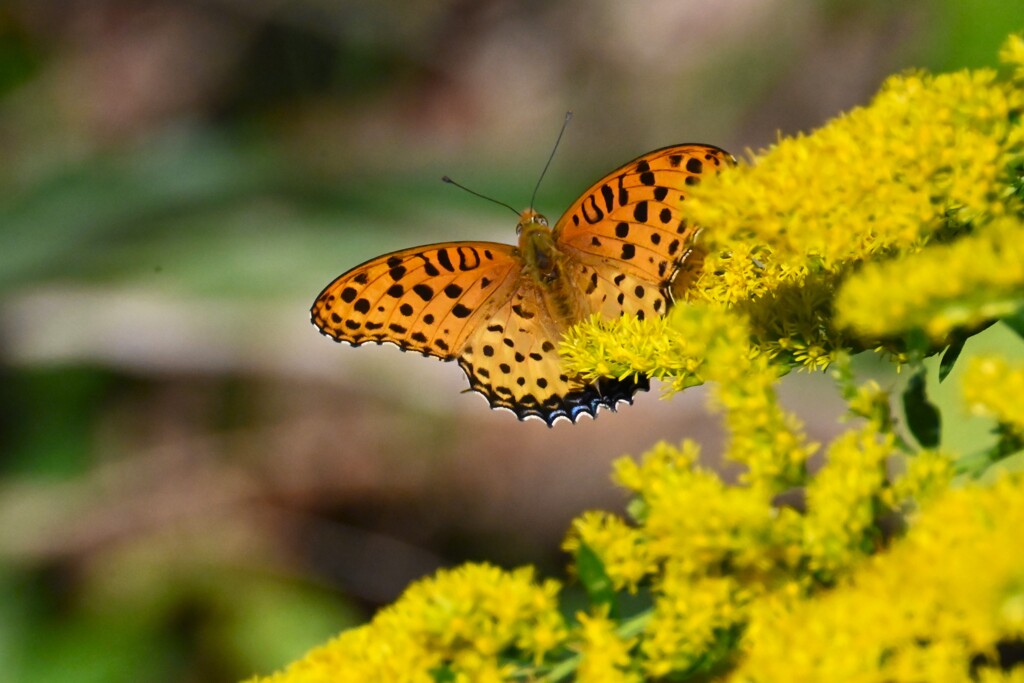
{"points": [[544, 265], [500, 310]]}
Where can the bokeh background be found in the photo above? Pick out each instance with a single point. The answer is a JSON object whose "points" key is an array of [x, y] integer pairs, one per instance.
{"points": [[194, 484]]}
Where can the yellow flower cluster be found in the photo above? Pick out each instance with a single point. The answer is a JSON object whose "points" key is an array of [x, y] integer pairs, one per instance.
{"points": [[927, 474], [764, 437], [711, 551], [843, 498], [460, 621], [1012, 54], [962, 285], [882, 177], [736, 525], [994, 387], [624, 551], [896, 217], [932, 157], [691, 527], [695, 621], [672, 348], [604, 653], [691, 345], [936, 607]]}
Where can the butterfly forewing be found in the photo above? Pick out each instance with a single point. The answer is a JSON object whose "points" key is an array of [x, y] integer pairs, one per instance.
{"points": [[427, 299], [632, 219]]}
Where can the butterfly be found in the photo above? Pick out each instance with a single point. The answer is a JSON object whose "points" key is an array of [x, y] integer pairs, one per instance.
{"points": [[500, 310]]}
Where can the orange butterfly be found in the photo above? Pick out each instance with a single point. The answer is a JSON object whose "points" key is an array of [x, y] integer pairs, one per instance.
{"points": [[501, 310]]}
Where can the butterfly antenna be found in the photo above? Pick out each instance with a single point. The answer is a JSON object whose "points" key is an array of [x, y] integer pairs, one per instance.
{"points": [[565, 124], [477, 194]]}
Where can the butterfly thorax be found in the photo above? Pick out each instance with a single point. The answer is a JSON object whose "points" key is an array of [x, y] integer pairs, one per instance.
{"points": [[543, 264]]}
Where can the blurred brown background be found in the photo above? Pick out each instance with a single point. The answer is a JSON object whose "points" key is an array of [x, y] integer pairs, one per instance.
{"points": [[194, 484]]}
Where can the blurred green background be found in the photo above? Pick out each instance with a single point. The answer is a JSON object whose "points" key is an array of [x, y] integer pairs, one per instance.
{"points": [[194, 484]]}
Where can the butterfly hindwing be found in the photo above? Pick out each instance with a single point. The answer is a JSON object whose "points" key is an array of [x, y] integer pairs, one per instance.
{"points": [[633, 217], [427, 299], [512, 359], [613, 294]]}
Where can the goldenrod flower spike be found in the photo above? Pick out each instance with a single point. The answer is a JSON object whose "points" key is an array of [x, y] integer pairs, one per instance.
{"points": [[962, 285], [461, 621], [935, 607]]}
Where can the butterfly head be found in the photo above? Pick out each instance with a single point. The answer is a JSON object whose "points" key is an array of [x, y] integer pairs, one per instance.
{"points": [[531, 221], [537, 246]]}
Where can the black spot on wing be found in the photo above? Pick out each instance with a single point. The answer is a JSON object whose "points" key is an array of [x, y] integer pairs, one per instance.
{"points": [[623, 192], [592, 213], [445, 260], [640, 211], [469, 258], [428, 266], [609, 198]]}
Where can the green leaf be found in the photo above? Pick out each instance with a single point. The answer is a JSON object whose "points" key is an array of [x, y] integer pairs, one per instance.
{"points": [[956, 345], [1007, 455], [950, 356], [594, 578], [442, 674], [923, 418], [1016, 322], [1011, 464]]}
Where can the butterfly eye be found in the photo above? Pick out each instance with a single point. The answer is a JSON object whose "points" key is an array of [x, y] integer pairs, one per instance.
{"points": [[519, 228], [543, 221]]}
